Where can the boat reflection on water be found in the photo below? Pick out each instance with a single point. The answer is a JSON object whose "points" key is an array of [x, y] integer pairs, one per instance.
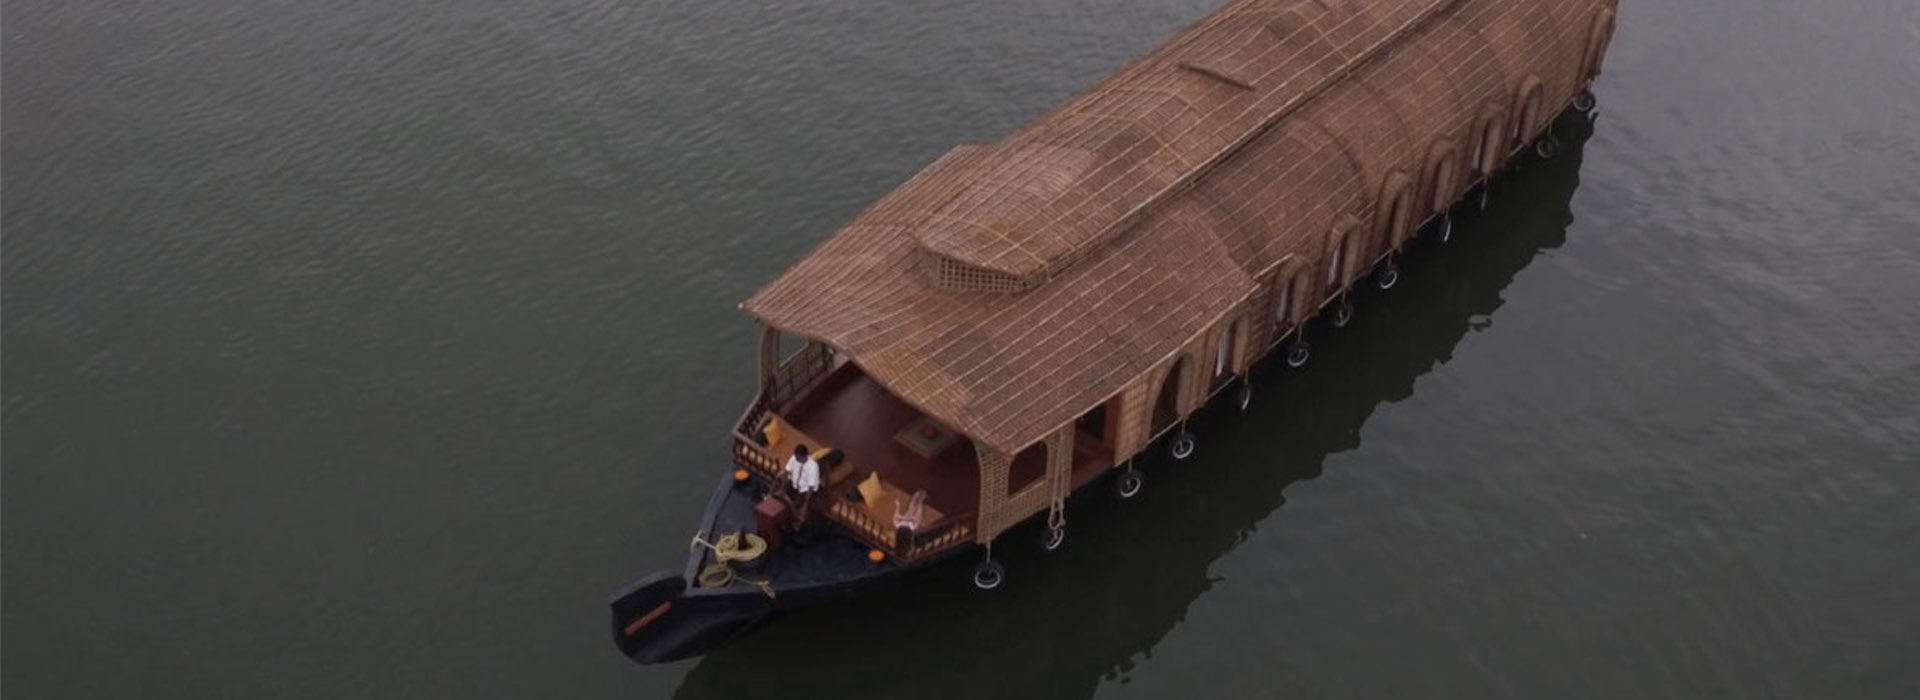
{"points": [[1133, 569]]}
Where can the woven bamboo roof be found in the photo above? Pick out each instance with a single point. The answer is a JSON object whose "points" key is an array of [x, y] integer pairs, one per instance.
{"points": [[1009, 287]]}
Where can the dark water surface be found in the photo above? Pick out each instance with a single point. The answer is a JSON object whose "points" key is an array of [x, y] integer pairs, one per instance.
{"points": [[359, 349]]}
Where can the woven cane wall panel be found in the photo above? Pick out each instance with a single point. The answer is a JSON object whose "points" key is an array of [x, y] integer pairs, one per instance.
{"points": [[1136, 409], [1441, 186], [993, 492], [1194, 382], [1060, 464]]}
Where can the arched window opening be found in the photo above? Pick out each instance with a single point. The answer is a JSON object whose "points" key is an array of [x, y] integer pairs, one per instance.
{"points": [[1027, 468], [1094, 435], [1093, 425]]}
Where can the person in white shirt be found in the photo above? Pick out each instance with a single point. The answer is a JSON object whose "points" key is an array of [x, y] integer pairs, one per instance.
{"points": [[803, 476]]}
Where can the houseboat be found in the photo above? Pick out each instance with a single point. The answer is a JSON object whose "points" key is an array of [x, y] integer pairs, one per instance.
{"points": [[1022, 319]]}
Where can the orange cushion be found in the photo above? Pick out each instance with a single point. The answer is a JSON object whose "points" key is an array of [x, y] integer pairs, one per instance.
{"points": [[871, 490]]}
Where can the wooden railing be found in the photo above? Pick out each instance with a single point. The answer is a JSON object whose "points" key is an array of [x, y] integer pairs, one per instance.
{"points": [[757, 460], [952, 531], [854, 516], [750, 455]]}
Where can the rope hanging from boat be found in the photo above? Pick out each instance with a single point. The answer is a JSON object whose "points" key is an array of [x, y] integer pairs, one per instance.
{"points": [[736, 547]]}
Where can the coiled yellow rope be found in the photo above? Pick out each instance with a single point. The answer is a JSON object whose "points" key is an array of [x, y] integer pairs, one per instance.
{"points": [[731, 548]]}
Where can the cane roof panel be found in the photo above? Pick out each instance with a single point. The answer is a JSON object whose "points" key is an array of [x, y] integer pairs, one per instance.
{"points": [[1011, 286]]}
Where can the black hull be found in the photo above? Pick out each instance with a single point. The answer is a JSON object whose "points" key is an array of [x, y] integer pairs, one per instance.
{"points": [[662, 618], [691, 623]]}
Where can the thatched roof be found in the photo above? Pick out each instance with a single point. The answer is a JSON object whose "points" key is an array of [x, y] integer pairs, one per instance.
{"points": [[1009, 287]]}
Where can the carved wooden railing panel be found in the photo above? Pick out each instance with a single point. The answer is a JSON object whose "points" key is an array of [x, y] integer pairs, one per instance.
{"points": [[755, 459], [993, 491], [950, 532], [748, 454], [855, 517]]}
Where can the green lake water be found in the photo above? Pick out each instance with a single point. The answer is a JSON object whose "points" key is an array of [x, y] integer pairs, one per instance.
{"points": [[359, 349]]}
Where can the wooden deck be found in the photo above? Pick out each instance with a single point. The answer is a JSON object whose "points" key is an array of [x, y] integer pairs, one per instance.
{"points": [[880, 434], [849, 411]]}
